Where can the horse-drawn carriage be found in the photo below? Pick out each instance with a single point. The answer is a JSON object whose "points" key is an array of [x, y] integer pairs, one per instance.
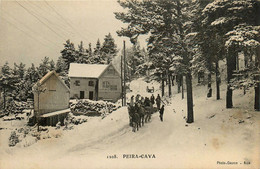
{"points": [[139, 114], [150, 90]]}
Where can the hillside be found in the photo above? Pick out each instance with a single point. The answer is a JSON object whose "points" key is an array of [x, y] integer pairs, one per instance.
{"points": [[218, 135]]}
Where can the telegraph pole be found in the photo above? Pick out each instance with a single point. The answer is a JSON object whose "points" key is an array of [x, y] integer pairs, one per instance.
{"points": [[122, 90], [124, 75]]}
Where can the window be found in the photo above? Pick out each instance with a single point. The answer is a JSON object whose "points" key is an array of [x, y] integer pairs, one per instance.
{"points": [[113, 87], [77, 83], [106, 84], [91, 83], [82, 94]]}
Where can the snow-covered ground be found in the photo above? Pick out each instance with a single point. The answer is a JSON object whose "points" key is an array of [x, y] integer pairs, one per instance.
{"points": [[218, 135]]}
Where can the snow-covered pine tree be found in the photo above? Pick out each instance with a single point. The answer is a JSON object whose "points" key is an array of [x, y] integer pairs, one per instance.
{"points": [[143, 62], [82, 56], [223, 16], [205, 58], [30, 78], [19, 72], [7, 82], [97, 57], [109, 48], [52, 65], [68, 54], [90, 53], [45, 66], [61, 70], [166, 21], [135, 61], [19, 69], [244, 37], [61, 66]]}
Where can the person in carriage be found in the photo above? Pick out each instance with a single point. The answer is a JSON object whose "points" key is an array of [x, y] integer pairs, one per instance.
{"points": [[142, 100], [132, 101]]}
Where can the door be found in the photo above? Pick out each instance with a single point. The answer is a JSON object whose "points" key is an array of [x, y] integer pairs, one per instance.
{"points": [[91, 94], [81, 94]]}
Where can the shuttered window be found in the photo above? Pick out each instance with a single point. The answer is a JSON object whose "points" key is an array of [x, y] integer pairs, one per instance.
{"points": [[106, 85], [113, 87], [91, 83], [77, 83]]}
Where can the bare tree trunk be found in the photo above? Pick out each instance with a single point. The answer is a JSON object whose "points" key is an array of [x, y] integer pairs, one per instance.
{"points": [[257, 95], [209, 94], [237, 62], [257, 81], [182, 89], [246, 59], [172, 78], [178, 79], [190, 116], [217, 81], [38, 113], [166, 79], [4, 98], [162, 84], [169, 85], [257, 64], [231, 66]]}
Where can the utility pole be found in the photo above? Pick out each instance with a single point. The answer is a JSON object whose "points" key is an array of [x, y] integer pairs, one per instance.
{"points": [[122, 88], [124, 76]]}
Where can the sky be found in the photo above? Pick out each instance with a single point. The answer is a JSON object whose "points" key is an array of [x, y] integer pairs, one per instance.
{"points": [[31, 30]]}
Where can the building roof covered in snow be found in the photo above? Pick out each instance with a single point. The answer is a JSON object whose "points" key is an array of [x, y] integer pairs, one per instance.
{"points": [[86, 70]]}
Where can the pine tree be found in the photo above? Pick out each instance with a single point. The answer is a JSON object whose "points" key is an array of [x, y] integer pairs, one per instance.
{"points": [[170, 26], [97, 57], [60, 66], [45, 66], [135, 61], [19, 70], [30, 78], [61, 70], [224, 17], [68, 54], [257, 64], [19, 93], [109, 48], [52, 65], [82, 56], [7, 82], [90, 53]]}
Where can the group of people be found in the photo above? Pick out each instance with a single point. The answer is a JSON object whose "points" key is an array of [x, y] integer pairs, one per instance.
{"points": [[148, 103]]}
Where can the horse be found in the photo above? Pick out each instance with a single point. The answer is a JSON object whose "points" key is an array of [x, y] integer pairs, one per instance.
{"points": [[134, 118], [144, 112], [130, 113], [148, 113], [141, 112], [136, 122]]}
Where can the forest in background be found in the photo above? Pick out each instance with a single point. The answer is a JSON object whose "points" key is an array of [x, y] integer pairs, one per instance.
{"points": [[185, 38]]}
